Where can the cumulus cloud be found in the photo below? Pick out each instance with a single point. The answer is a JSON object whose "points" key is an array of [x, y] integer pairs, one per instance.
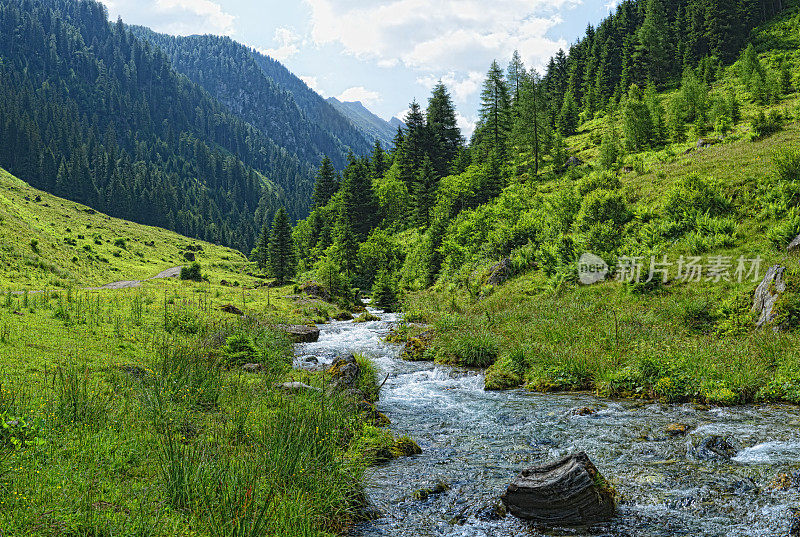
{"points": [[466, 124], [359, 93], [312, 82], [439, 35], [287, 42], [177, 17], [460, 87]]}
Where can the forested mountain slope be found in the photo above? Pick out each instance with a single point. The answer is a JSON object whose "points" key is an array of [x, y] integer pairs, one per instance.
{"points": [[366, 121], [648, 164], [92, 113], [233, 74]]}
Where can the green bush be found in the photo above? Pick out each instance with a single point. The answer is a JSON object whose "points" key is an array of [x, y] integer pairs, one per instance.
{"points": [[762, 125], [239, 349], [597, 181], [192, 272], [475, 349], [602, 206]]}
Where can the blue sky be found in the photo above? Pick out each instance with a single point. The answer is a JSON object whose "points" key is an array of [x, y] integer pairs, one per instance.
{"points": [[382, 52]]}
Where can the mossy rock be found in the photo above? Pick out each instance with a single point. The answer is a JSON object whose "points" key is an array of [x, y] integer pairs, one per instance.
{"points": [[415, 347], [423, 494], [366, 317], [405, 447], [500, 377]]}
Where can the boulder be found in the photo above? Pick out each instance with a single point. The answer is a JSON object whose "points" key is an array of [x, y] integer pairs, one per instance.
{"points": [[491, 512], [432, 490], [297, 387], [230, 308], [343, 316], [414, 349], [573, 161], [567, 492], [344, 372], [676, 429], [767, 294], [794, 245], [714, 447], [300, 333], [500, 272], [315, 290], [252, 368]]}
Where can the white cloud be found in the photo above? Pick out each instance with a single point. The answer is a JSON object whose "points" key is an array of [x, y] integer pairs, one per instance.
{"points": [[287, 44], [313, 83], [439, 35], [466, 124], [359, 93], [460, 87], [177, 17]]}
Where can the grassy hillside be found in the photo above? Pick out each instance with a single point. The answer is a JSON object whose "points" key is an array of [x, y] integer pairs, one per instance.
{"points": [[128, 412], [51, 242], [733, 196]]}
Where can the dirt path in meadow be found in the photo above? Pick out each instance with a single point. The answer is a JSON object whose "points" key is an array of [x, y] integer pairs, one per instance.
{"points": [[173, 272]]}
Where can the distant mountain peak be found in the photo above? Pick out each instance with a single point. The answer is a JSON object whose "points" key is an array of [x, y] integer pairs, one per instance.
{"points": [[373, 127]]}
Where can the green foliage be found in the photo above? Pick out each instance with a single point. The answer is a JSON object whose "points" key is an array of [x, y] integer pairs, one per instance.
{"points": [[385, 292], [763, 125], [282, 258], [17, 432], [192, 272], [368, 382], [474, 349], [239, 349]]}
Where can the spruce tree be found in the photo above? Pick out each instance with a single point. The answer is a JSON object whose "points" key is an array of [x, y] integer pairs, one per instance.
{"points": [[443, 126], [516, 76], [568, 117], [378, 162], [326, 185], [425, 193], [495, 120], [384, 291], [530, 125], [282, 260], [654, 40]]}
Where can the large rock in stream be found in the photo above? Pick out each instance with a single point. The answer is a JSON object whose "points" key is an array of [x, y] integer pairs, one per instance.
{"points": [[567, 492], [300, 333]]}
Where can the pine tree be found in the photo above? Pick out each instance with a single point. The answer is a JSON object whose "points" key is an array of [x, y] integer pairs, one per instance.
{"points": [[361, 203], [568, 116], [443, 127], [495, 121], [378, 162], [425, 193], [260, 253], [326, 185], [609, 147], [654, 40], [516, 76], [415, 144], [384, 291], [530, 125], [282, 260]]}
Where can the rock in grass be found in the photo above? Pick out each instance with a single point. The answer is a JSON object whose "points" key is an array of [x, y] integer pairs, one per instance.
{"points": [[252, 368], [415, 347], [567, 492], [230, 308], [297, 387], [767, 294], [345, 372], [300, 333]]}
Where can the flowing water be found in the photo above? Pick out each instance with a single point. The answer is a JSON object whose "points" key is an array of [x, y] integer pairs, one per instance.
{"points": [[477, 441]]}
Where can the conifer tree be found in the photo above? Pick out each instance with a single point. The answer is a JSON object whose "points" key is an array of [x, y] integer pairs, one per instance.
{"points": [[384, 290], [425, 192], [654, 40], [516, 76], [326, 185], [495, 121], [282, 258], [378, 162], [443, 126], [568, 116], [530, 125]]}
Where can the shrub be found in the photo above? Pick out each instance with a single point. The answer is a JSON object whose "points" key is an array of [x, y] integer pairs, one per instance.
{"points": [[192, 272], [787, 165], [385, 291], [239, 349], [597, 181], [763, 125], [120, 243], [602, 206], [35, 246], [475, 349]]}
